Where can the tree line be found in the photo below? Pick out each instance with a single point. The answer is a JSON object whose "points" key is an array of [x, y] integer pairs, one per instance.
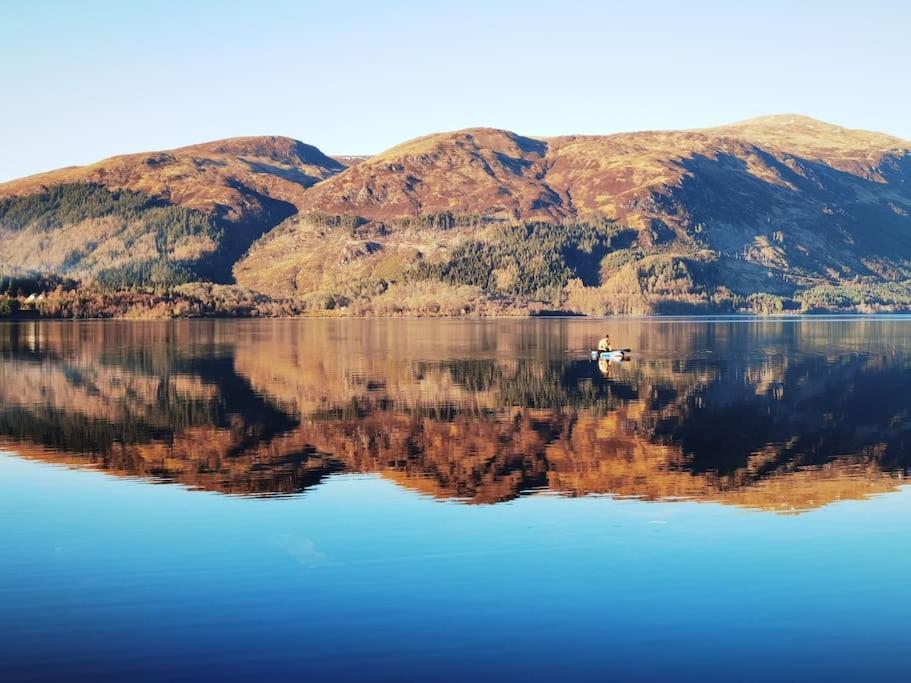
{"points": [[139, 216], [531, 259]]}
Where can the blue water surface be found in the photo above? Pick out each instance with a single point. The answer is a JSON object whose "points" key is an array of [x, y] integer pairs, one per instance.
{"points": [[455, 501], [114, 579]]}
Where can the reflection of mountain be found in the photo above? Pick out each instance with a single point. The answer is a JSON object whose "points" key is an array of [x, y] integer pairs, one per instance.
{"points": [[273, 409]]}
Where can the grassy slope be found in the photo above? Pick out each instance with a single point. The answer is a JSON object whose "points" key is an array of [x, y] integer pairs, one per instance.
{"points": [[773, 212], [232, 191], [773, 206]]}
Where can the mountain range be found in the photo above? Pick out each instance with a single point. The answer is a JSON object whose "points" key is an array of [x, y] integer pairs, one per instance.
{"points": [[231, 409], [780, 213]]}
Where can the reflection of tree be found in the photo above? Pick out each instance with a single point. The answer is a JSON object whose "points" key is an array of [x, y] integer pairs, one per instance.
{"points": [[531, 383], [749, 430], [113, 403], [815, 411]]}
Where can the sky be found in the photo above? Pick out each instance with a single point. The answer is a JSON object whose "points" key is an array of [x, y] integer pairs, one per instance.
{"points": [[86, 80]]}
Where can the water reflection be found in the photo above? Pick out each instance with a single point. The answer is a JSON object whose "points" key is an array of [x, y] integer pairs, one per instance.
{"points": [[776, 415]]}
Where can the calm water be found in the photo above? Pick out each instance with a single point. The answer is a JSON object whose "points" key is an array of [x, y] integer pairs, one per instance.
{"points": [[425, 500]]}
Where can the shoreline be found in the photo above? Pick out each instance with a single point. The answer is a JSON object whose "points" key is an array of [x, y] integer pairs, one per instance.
{"points": [[816, 315]]}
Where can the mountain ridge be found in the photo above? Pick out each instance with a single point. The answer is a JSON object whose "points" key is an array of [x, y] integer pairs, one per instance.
{"points": [[133, 171], [772, 205]]}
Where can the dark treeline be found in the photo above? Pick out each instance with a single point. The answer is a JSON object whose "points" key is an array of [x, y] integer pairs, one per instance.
{"points": [[32, 283], [443, 220], [70, 203], [325, 220], [529, 259], [139, 216], [535, 383], [157, 274]]}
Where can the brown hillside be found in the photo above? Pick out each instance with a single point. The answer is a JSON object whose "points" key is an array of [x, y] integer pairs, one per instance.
{"points": [[498, 172], [240, 187], [224, 173], [773, 207], [774, 204], [480, 170]]}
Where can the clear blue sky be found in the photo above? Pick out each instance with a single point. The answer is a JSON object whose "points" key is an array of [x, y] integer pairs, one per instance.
{"points": [[85, 80]]}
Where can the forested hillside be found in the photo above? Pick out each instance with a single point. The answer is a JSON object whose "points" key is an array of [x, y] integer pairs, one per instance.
{"points": [[156, 219], [119, 238], [778, 214]]}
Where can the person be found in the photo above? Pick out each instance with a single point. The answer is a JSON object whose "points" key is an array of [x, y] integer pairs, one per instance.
{"points": [[604, 344]]}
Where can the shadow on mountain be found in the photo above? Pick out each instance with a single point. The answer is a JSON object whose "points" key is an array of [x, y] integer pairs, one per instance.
{"points": [[847, 237]]}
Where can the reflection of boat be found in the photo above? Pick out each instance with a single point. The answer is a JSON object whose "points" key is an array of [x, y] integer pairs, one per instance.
{"points": [[619, 354]]}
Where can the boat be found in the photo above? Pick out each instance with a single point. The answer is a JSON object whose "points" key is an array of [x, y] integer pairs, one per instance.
{"points": [[618, 354]]}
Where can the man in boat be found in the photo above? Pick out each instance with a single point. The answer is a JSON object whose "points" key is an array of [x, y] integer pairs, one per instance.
{"points": [[604, 344]]}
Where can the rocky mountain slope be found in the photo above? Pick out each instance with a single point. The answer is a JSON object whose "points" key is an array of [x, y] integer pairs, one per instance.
{"points": [[777, 205], [781, 212], [222, 174], [196, 208]]}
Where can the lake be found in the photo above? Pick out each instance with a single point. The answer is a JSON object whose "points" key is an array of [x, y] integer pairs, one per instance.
{"points": [[455, 500]]}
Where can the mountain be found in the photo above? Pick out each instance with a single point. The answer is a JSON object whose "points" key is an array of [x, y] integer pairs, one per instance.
{"points": [[498, 173], [207, 176], [195, 209], [487, 171], [778, 206], [775, 213]]}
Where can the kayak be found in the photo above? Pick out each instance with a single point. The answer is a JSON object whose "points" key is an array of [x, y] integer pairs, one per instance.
{"points": [[619, 354]]}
